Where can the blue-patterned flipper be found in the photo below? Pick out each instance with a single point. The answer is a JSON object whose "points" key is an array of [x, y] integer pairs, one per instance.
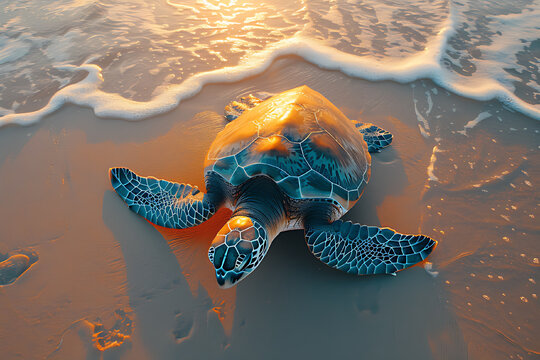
{"points": [[362, 250], [162, 202], [376, 138], [235, 108]]}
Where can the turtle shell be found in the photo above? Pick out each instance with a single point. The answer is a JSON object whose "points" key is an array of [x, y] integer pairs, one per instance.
{"points": [[300, 140]]}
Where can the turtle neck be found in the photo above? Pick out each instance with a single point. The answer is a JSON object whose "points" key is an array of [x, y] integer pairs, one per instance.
{"points": [[261, 199]]}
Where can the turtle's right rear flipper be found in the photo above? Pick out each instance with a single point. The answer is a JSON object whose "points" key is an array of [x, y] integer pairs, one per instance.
{"points": [[162, 202], [375, 137], [362, 250]]}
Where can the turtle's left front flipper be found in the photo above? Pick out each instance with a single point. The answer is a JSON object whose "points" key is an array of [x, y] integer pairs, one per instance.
{"points": [[375, 137], [362, 250], [162, 202]]}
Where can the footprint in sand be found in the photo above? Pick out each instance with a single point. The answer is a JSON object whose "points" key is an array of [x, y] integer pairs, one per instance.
{"points": [[15, 263], [104, 338], [183, 328], [96, 337]]}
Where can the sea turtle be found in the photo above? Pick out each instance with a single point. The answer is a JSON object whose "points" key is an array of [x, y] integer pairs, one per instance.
{"points": [[293, 161]]}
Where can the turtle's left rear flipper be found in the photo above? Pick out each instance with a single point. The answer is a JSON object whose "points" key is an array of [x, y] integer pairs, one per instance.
{"points": [[237, 107], [162, 202], [362, 250], [375, 137]]}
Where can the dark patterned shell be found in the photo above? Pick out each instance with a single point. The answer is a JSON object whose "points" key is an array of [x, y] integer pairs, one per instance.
{"points": [[301, 141]]}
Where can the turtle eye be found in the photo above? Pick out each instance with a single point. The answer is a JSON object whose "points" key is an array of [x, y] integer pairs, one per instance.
{"points": [[240, 261], [211, 252]]}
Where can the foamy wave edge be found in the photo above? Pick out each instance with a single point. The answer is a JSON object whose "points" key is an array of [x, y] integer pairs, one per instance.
{"points": [[425, 65]]}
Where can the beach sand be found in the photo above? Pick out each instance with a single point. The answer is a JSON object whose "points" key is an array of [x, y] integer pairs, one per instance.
{"points": [[469, 185]]}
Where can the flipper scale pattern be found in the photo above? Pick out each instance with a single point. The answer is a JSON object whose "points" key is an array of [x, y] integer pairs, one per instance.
{"points": [[162, 202], [375, 137], [362, 250]]}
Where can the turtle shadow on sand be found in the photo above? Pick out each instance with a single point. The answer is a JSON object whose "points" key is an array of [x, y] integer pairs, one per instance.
{"points": [[292, 300], [169, 318]]}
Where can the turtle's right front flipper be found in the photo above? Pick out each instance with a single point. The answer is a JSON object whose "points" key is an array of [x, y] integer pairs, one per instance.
{"points": [[162, 202], [362, 250]]}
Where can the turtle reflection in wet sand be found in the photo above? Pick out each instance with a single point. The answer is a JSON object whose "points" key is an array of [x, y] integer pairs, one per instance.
{"points": [[293, 161]]}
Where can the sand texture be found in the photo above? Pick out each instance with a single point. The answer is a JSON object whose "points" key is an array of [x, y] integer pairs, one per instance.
{"points": [[109, 285]]}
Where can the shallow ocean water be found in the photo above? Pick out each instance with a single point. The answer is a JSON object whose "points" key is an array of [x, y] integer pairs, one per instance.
{"points": [[461, 170], [165, 51]]}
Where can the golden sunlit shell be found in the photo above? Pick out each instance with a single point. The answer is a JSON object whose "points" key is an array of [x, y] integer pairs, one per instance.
{"points": [[300, 140]]}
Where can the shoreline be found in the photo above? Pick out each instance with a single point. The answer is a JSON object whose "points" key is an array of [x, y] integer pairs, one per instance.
{"points": [[423, 66]]}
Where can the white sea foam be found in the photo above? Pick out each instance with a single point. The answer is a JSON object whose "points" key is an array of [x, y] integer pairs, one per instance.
{"points": [[423, 124], [431, 166], [11, 50], [482, 116], [425, 64], [428, 266]]}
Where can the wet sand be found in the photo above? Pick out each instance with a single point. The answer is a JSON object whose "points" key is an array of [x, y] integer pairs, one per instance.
{"points": [[96, 257]]}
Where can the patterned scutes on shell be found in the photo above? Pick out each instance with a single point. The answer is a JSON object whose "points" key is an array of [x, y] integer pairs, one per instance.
{"points": [[301, 141]]}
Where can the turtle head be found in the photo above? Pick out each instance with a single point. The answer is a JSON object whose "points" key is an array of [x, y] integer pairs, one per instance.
{"points": [[237, 250]]}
